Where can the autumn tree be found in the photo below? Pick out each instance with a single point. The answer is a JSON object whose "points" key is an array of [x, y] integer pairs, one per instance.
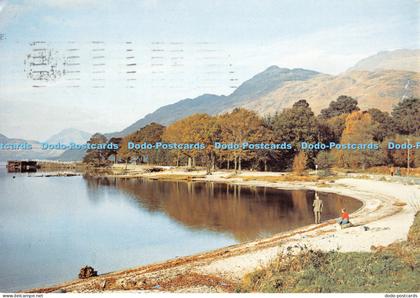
{"points": [[417, 158], [178, 132], [358, 130], [197, 128], [124, 153], [238, 127], [263, 157], [96, 157], [398, 157], [114, 150], [331, 129], [205, 130], [299, 163], [151, 134]]}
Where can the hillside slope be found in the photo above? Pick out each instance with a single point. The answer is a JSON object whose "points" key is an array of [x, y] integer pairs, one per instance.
{"points": [[378, 81], [65, 136], [381, 89], [261, 84], [70, 135], [404, 59]]}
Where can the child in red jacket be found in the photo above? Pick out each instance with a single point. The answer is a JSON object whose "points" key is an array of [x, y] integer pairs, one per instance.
{"points": [[345, 218]]}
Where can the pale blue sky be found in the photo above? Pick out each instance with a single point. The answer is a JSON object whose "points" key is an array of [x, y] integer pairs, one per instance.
{"points": [[216, 38]]}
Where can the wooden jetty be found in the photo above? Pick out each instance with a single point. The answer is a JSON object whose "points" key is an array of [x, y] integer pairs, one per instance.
{"points": [[21, 166]]}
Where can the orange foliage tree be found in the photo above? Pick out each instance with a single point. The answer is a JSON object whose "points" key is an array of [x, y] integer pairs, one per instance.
{"points": [[358, 130]]}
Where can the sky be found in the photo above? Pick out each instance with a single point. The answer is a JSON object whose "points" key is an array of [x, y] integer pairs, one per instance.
{"points": [[116, 61]]}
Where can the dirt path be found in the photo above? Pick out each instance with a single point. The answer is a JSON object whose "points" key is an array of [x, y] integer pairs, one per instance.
{"points": [[387, 213]]}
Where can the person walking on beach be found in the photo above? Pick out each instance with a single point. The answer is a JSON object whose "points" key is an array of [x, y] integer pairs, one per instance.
{"points": [[317, 204]]}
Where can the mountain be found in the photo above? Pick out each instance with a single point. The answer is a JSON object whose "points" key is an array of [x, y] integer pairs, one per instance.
{"points": [[64, 136], [379, 89], [207, 103], [71, 155], [17, 154], [408, 60], [261, 84], [70, 135], [377, 81], [3, 138]]}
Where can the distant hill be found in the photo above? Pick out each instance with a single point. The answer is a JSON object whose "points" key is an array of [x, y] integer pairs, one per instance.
{"points": [[261, 84], [71, 155], [70, 135], [64, 136], [3, 138], [207, 103], [408, 60], [19, 154]]}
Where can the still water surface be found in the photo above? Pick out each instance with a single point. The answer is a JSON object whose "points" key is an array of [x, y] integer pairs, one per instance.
{"points": [[52, 226]]}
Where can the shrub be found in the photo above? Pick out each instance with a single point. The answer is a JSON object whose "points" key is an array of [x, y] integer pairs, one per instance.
{"points": [[299, 163]]}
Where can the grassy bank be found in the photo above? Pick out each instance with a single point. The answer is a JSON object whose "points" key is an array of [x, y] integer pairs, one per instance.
{"points": [[395, 268]]}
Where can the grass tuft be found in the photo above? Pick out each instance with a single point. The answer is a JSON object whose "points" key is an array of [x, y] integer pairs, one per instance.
{"points": [[394, 268]]}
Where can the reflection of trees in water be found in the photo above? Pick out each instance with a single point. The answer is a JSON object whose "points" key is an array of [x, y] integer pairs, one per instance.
{"points": [[246, 212], [96, 187]]}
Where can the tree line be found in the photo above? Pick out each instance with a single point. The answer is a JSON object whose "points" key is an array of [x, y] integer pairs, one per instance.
{"points": [[341, 122]]}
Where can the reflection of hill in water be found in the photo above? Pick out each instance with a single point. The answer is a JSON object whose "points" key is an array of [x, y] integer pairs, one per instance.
{"points": [[246, 212]]}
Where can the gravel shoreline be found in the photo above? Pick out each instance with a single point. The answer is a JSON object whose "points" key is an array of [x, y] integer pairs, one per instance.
{"points": [[386, 215]]}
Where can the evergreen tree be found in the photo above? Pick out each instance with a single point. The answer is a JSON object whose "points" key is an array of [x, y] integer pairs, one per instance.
{"points": [[295, 125], [343, 105], [406, 116]]}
